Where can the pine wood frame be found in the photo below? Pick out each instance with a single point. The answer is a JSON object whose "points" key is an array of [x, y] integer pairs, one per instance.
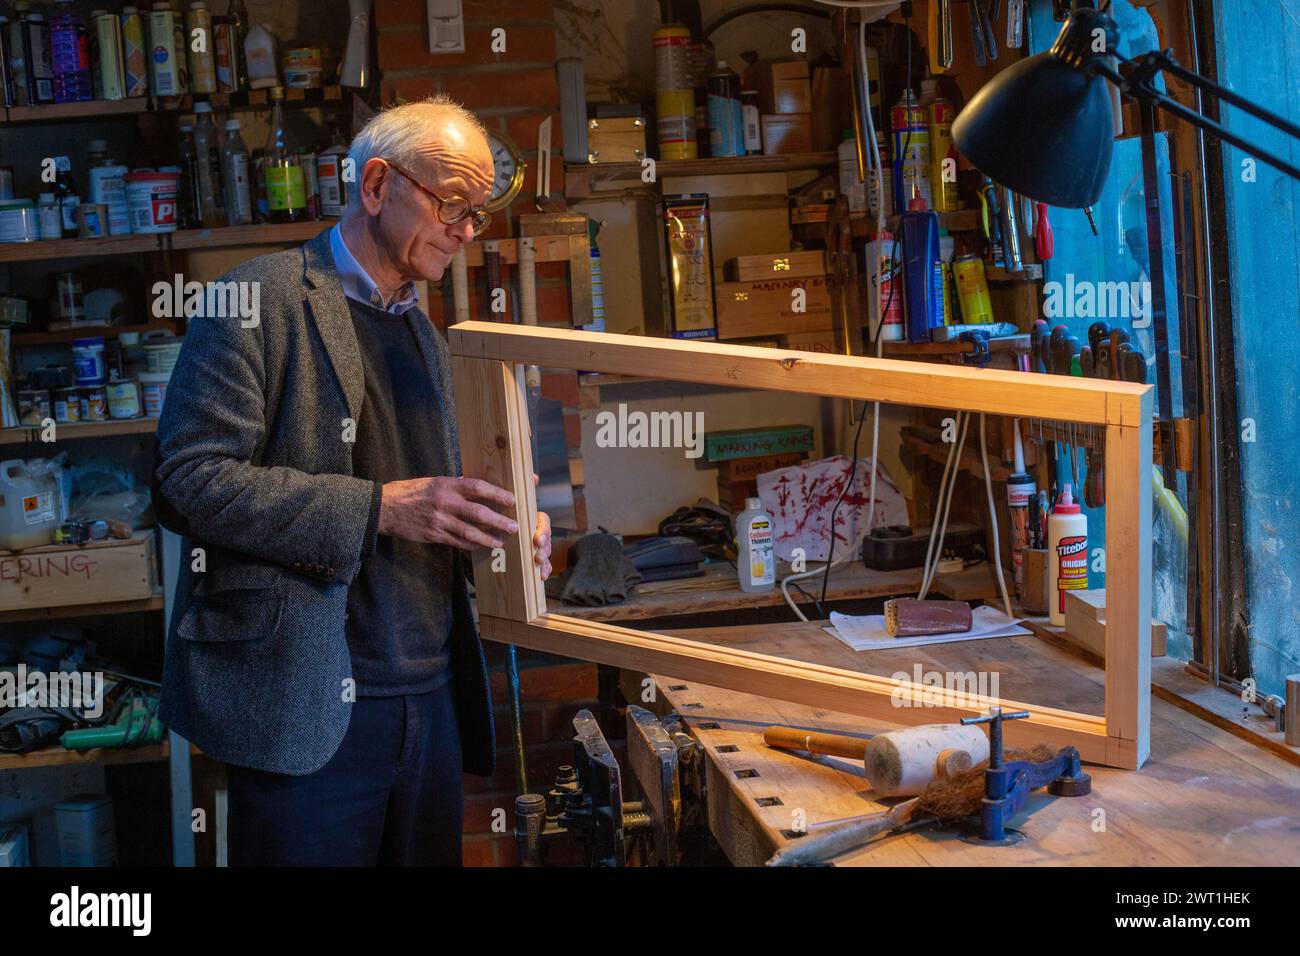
{"points": [[487, 366]]}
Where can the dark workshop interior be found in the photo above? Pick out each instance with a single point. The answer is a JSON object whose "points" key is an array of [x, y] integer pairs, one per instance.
{"points": [[599, 433]]}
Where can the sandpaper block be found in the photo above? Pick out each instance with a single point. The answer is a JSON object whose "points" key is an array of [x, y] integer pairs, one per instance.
{"points": [[908, 617]]}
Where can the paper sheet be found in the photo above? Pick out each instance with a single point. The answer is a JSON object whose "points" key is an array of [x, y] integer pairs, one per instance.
{"points": [[866, 632]]}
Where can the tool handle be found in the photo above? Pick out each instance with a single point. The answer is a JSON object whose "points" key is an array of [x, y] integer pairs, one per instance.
{"points": [[832, 745], [811, 851], [1044, 238]]}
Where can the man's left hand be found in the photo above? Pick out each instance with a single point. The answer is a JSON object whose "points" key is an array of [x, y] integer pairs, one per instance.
{"points": [[542, 541]]}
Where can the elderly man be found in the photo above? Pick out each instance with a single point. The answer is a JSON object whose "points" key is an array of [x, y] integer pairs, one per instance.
{"points": [[322, 642]]}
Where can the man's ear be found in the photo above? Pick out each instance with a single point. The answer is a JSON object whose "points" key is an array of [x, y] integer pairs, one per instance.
{"points": [[374, 183]]}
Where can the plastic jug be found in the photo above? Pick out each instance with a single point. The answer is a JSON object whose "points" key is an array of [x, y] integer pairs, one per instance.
{"points": [[29, 507]]}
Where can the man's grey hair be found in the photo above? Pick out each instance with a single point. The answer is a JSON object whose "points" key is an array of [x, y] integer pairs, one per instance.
{"points": [[397, 134]]}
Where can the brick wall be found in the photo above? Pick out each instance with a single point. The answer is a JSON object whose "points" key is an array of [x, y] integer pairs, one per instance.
{"points": [[511, 92]]}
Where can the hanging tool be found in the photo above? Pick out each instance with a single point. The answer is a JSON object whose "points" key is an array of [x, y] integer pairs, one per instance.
{"points": [[1044, 240], [1096, 332], [991, 220], [978, 50], [1063, 347], [1015, 24], [1087, 211], [1010, 233], [1007, 786], [986, 26], [543, 197], [939, 35]]}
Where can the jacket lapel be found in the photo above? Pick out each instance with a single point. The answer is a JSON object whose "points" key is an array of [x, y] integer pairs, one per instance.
{"points": [[329, 311]]}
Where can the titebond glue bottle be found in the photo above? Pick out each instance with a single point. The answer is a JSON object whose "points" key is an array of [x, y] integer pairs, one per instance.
{"points": [[756, 563], [1067, 549]]}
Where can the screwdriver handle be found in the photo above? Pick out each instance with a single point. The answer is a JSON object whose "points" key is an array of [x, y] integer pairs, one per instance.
{"points": [[1044, 239]]}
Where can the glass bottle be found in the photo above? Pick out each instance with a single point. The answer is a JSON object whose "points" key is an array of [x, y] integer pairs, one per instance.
{"points": [[67, 194], [238, 17], [189, 215], [207, 153], [286, 194]]}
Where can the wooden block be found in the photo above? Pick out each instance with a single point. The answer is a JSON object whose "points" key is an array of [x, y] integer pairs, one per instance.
{"points": [[616, 139], [783, 86], [495, 445], [786, 134], [803, 263], [1085, 623], [95, 573], [1034, 600], [754, 309], [1293, 710]]}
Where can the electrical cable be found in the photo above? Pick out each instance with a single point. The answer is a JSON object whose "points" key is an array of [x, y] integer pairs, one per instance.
{"points": [[944, 501], [996, 556]]}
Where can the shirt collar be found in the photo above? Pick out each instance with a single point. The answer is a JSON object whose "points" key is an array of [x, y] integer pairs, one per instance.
{"points": [[358, 285]]}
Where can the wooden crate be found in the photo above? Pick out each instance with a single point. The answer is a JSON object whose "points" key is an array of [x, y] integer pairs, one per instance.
{"points": [[755, 309], [776, 265], [95, 573]]}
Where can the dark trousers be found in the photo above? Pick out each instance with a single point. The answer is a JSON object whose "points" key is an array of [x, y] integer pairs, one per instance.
{"points": [[391, 796]]}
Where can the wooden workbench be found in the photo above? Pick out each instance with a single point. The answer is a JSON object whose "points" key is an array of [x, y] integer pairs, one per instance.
{"points": [[1204, 798]]}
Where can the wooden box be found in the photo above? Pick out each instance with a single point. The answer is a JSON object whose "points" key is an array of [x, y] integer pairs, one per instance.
{"points": [[1085, 623], [783, 87], [616, 139], [95, 573], [753, 309], [786, 133], [776, 265], [823, 341]]}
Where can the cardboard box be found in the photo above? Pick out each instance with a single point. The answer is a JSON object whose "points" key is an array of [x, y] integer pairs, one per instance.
{"points": [[757, 309], [776, 265], [58, 575], [832, 100], [785, 134], [783, 86]]}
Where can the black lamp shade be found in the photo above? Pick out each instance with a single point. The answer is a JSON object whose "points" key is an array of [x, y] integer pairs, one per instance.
{"points": [[1043, 128]]}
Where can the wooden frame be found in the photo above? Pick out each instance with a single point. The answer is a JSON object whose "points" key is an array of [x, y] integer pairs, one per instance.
{"points": [[487, 363]]}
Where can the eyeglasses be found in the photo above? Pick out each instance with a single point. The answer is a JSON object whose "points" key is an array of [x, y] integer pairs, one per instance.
{"points": [[451, 209]]}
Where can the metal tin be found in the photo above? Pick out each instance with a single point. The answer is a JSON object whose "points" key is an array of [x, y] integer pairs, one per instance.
{"points": [[135, 53], [19, 221], [164, 72], [94, 404], [227, 52], [124, 399], [203, 70], [111, 74], [67, 406], [33, 405], [92, 220]]}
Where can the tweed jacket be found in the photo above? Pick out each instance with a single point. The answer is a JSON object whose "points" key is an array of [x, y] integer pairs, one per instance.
{"points": [[254, 470]]}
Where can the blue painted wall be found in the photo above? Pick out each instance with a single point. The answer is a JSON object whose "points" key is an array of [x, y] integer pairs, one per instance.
{"points": [[1259, 57]]}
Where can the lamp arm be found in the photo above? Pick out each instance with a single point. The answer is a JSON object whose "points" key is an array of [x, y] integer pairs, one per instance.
{"points": [[1137, 87]]}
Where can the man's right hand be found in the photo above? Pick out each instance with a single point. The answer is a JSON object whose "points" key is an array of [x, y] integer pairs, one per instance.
{"points": [[465, 513]]}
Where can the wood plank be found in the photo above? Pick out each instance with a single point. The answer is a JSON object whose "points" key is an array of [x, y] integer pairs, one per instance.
{"points": [[55, 576], [894, 381], [23, 434], [100, 609], [495, 446], [1085, 623], [1128, 561], [852, 692]]}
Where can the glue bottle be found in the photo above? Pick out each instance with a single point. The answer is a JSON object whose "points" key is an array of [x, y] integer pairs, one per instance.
{"points": [[755, 563], [1067, 550]]}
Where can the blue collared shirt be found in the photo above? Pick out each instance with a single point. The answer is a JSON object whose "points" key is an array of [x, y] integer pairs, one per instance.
{"points": [[357, 283]]}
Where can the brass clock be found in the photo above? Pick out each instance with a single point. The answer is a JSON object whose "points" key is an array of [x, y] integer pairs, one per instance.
{"points": [[508, 170]]}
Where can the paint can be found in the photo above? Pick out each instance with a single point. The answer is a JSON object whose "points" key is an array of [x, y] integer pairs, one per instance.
{"points": [[124, 398], [941, 113], [67, 406], [94, 404], [108, 44], [164, 73]]}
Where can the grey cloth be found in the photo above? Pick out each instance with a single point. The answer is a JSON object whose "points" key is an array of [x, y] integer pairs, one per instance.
{"points": [[601, 573], [253, 468]]}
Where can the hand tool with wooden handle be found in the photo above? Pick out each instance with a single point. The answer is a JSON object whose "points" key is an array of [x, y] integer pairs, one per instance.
{"points": [[900, 763]]}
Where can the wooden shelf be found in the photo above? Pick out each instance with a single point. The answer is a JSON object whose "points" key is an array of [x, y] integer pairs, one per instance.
{"points": [[1007, 343], [59, 757], [104, 109], [128, 426], [225, 237], [57, 336], [101, 609], [580, 177], [1033, 272]]}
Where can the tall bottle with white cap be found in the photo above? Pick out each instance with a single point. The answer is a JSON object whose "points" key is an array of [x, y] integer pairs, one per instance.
{"points": [[1067, 553], [755, 543], [207, 149], [234, 177]]}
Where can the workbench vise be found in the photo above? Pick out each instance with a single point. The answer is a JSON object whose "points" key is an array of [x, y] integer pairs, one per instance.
{"points": [[586, 801], [1007, 786]]}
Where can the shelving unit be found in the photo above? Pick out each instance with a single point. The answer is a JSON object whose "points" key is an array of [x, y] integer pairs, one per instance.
{"points": [[262, 234], [127, 426], [155, 603], [325, 96], [580, 178]]}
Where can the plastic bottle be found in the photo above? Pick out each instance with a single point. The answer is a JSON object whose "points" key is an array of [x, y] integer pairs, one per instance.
{"points": [[108, 186], [939, 116], [1022, 494], [70, 51], [854, 189], [50, 218], [882, 269], [947, 250], [922, 270], [752, 121], [259, 55], [234, 177], [1067, 553], [189, 186], [726, 125], [286, 194], [756, 562], [207, 155]]}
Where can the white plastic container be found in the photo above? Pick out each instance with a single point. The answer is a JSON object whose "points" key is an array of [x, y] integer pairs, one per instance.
{"points": [[50, 217], [1067, 554], [259, 49], [29, 507], [108, 185], [756, 562], [851, 187], [153, 200], [88, 359], [86, 832]]}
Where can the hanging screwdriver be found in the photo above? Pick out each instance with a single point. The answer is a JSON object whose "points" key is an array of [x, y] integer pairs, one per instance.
{"points": [[1044, 240]]}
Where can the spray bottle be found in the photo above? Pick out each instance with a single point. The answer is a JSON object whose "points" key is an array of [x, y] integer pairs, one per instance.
{"points": [[1067, 553], [1021, 490], [755, 563]]}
